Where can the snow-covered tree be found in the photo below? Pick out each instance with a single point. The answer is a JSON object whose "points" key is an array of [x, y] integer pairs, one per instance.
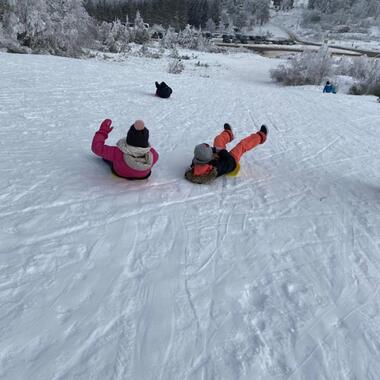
{"points": [[365, 8], [210, 25], [170, 39], [56, 26], [115, 36], [365, 72], [3, 8], [70, 26], [308, 67], [140, 32], [203, 43], [261, 11], [188, 37]]}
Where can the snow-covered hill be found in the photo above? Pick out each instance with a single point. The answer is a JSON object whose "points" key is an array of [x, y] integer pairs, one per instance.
{"points": [[274, 274]]}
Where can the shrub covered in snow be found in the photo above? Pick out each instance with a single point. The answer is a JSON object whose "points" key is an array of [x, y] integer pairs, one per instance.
{"points": [[367, 75], [190, 38], [310, 67], [315, 67], [174, 53], [148, 52], [175, 66]]}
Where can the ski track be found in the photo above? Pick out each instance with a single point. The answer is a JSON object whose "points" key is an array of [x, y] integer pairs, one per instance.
{"points": [[273, 274]]}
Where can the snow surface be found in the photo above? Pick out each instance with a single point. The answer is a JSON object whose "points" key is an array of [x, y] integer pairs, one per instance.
{"points": [[274, 274]]}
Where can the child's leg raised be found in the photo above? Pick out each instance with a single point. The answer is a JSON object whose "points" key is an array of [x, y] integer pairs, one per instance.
{"points": [[222, 140], [246, 144]]}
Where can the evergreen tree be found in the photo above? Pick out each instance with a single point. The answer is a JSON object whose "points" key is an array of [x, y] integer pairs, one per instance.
{"points": [[210, 25], [261, 11], [58, 26], [140, 32]]}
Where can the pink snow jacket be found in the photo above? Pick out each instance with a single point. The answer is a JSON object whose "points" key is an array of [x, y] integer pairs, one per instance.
{"points": [[128, 161]]}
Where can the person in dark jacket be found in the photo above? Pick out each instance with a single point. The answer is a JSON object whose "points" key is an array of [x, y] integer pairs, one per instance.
{"points": [[212, 162], [163, 90], [329, 88]]}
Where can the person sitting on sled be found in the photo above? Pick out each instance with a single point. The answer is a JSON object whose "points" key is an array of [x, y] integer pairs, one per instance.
{"points": [[132, 157], [212, 162], [329, 88], [163, 90]]}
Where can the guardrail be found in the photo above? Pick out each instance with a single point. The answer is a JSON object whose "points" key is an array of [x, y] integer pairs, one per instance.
{"points": [[261, 48]]}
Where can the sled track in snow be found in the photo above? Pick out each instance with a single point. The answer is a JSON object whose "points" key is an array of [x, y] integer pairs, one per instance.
{"points": [[271, 274]]}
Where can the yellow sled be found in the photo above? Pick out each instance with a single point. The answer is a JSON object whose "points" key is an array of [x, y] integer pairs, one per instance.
{"points": [[235, 172]]}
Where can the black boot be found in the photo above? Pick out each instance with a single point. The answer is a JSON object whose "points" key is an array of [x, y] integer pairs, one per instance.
{"points": [[228, 128], [264, 130]]}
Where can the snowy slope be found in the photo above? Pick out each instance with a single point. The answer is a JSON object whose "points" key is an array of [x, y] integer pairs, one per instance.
{"points": [[274, 274]]}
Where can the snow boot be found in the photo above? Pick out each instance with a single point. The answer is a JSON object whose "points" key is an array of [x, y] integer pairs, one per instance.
{"points": [[228, 128], [263, 132]]}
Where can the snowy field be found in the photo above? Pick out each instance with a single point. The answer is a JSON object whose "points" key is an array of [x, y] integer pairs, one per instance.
{"points": [[274, 274]]}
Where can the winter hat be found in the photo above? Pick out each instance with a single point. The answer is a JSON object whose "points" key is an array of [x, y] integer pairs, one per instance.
{"points": [[138, 135], [202, 154]]}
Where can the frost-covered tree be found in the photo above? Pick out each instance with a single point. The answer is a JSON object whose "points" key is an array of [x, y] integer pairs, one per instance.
{"points": [[241, 18], [365, 8], [287, 4], [115, 36], [261, 11], [361, 8], [225, 20], [188, 37], [170, 39], [308, 67], [70, 25], [3, 8], [351, 13], [203, 43], [178, 13], [364, 71], [210, 25], [29, 19], [140, 32], [56, 26]]}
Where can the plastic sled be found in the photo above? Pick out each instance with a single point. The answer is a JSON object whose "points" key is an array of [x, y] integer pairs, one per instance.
{"points": [[235, 172]]}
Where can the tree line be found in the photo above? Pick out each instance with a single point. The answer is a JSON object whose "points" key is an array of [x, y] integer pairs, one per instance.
{"points": [[357, 9], [205, 14]]}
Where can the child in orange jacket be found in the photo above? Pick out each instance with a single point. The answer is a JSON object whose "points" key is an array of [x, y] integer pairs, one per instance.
{"points": [[212, 162]]}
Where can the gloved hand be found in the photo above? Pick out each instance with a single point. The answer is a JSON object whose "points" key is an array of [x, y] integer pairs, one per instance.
{"points": [[105, 127]]}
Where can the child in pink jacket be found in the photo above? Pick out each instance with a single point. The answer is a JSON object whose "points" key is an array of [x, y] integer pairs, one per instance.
{"points": [[132, 157]]}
